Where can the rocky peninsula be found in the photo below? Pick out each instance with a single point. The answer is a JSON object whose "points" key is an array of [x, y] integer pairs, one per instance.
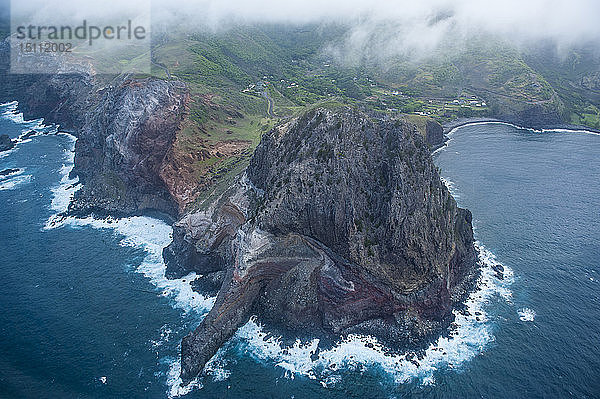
{"points": [[340, 225]]}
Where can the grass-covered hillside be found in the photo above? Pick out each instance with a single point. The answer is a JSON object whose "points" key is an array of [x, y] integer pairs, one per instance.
{"points": [[245, 79]]}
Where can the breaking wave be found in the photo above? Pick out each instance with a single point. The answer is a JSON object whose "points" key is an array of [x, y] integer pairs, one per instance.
{"points": [[526, 314], [29, 129], [472, 331], [63, 193], [151, 235], [147, 233], [13, 180], [558, 130], [11, 112]]}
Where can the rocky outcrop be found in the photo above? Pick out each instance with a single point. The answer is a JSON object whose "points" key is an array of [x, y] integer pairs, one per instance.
{"points": [[122, 146], [125, 129], [6, 143], [341, 225], [434, 134], [536, 116], [124, 134]]}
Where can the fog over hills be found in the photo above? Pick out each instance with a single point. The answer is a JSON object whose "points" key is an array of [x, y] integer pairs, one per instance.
{"points": [[392, 27], [284, 173]]}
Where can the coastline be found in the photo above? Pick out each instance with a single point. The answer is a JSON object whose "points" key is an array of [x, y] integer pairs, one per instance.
{"points": [[452, 125], [471, 330]]}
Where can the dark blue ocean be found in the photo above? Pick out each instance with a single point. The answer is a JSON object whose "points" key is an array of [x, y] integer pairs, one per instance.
{"points": [[87, 313]]}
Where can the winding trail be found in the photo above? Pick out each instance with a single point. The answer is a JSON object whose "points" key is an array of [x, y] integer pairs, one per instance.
{"points": [[270, 104], [163, 67]]}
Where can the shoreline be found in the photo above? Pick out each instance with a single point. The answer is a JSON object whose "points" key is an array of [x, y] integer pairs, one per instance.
{"points": [[450, 126], [436, 352]]}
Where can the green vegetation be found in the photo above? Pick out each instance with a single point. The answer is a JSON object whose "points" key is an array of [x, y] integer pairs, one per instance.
{"points": [[576, 79], [233, 74], [588, 116]]}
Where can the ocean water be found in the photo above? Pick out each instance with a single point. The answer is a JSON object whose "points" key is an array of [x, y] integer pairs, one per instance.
{"points": [[87, 312]]}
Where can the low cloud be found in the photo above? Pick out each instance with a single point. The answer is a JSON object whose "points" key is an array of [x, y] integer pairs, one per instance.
{"points": [[400, 27], [383, 29]]}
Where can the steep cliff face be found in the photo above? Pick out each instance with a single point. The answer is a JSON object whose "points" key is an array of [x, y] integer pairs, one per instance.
{"points": [[122, 146], [125, 130], [62, 99], [367, 190], [341, 225], [536, 116], [434, 134]]}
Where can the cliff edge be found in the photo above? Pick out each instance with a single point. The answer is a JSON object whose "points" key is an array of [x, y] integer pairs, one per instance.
{"points": [[340, 225]]}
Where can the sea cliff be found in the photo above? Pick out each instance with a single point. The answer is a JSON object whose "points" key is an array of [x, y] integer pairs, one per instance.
{"points": [[341, 224]]}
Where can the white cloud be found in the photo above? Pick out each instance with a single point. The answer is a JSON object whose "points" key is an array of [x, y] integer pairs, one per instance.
{"points": [[409, 27], [402, 26]]}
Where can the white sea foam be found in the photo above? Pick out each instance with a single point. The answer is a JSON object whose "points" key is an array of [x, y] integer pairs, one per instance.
{"points": [[560, 130], [152, 235], [18, 171], [7, 152], [146, 233], [175, 384], [11, 112], [571, 131], [217, 366], [13, 182], [451, 187], [9, 104], [526, 314], [473, 331], [63, 193], [9, 109], [165, 336], [452, 131]]}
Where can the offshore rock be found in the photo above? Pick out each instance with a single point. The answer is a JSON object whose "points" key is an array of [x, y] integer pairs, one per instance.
{"points": [[6, 143], [340, 225]]}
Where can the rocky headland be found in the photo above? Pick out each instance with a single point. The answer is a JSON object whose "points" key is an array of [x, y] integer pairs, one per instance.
{"points": [[340, 225], [125, 129], [122, 147]]}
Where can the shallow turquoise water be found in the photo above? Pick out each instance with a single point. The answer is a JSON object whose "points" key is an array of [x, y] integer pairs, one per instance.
{"points": [[87, 311]]}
